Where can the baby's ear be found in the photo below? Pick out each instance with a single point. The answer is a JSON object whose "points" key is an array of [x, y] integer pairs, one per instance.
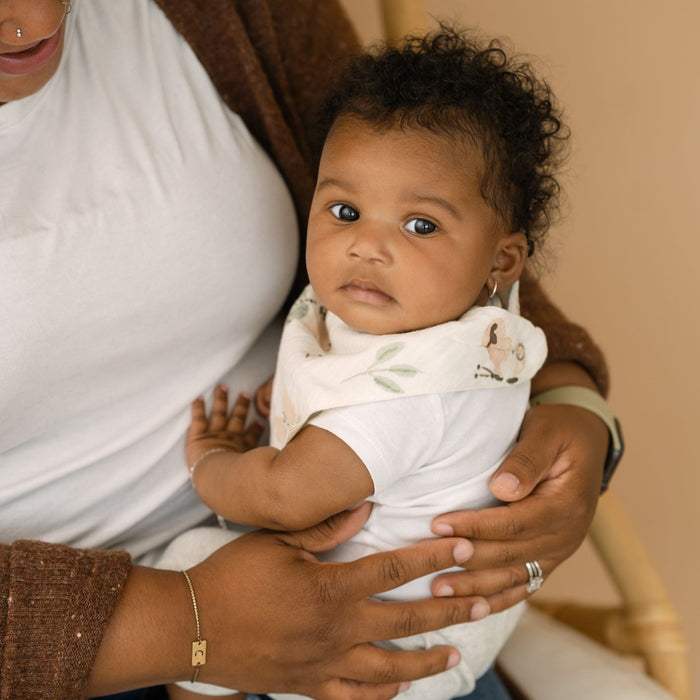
{"points": [[509, 259]]}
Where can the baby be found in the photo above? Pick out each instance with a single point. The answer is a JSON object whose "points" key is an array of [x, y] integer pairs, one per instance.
{"points": [[404, 367]]}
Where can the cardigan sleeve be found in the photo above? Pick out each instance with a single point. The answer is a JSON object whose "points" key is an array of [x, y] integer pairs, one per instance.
{"points": [[55, 602], [566, 341]]}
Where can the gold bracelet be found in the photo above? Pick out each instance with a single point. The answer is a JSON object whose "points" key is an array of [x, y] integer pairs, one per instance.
{"points": [[202, 457], [199, 646]]}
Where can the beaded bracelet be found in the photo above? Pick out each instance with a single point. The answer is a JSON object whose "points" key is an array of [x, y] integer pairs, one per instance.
{"points": [[202, 457]]}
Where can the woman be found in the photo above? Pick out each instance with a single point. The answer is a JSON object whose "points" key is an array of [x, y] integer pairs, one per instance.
{"points": [[132, 160]]}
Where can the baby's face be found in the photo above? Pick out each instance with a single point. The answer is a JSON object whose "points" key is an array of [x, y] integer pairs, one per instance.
{"points": [[399, 236]]}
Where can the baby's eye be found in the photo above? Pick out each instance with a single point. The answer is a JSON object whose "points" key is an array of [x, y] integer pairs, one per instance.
{"points": [[422, 227], [345, 212]]}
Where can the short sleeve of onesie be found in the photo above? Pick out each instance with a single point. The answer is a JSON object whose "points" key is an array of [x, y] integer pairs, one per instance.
{"points": [[393, 438]]}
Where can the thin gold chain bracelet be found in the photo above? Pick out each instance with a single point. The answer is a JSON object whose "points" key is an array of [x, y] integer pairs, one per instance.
{"points": [[199, 645]]}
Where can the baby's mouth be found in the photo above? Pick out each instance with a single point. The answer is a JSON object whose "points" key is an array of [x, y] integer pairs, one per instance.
{"points": [[368, 292]]}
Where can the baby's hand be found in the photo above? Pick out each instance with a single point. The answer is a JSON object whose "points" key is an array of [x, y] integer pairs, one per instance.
{"points": [[263, 398], [221, 429]]}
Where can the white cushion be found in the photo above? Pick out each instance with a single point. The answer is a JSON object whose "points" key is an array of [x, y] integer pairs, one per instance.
{"points": [[548, 660]]}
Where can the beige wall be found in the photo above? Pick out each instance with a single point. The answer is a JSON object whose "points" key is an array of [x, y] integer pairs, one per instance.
{"points": [[628, 252]]}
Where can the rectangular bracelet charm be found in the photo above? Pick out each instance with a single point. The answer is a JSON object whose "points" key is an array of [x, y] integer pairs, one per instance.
{"points": [[199, 652], [199, 646]]}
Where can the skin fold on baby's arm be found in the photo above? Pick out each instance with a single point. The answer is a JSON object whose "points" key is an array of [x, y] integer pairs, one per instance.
{"points": [[315, 475]]}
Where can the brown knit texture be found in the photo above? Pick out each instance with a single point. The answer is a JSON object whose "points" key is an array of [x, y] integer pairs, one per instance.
{"points": [[566, 341], [55, 602], [270, 60]]}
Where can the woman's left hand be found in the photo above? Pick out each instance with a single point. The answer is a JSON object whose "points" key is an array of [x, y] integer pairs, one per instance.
{"points": [[551, 481]]}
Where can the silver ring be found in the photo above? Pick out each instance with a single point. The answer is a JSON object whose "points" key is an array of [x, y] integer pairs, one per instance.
{"points": [[534, 576], [68, 7]]}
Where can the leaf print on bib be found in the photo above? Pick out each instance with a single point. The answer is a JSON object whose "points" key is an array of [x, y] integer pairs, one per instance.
{"points": [[298, 311], [378, 374]]}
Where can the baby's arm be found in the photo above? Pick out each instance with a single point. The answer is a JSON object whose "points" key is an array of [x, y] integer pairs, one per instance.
{"points": [[315, 476]]}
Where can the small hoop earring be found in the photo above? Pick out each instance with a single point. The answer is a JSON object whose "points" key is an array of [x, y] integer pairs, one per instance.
{"points": [[492, 293], [18, 32], [68, 5]]}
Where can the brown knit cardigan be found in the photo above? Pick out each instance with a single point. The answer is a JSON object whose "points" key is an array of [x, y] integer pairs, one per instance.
{"points": [[269, 59]]}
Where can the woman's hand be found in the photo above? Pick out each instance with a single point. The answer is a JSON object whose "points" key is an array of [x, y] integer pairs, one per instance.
{"points": [[276, 619], [306, 627], [552, 478]]}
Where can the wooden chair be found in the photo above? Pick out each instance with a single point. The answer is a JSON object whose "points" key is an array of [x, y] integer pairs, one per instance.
{"points": [[645, 624]]}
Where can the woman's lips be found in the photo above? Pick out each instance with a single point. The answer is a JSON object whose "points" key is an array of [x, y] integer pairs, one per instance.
{"points": [[31, 59]]}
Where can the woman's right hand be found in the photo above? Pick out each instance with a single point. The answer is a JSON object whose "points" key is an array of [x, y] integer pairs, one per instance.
{"points": [[276, 619]]}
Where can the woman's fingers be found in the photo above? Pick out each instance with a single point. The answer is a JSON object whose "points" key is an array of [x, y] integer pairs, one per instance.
{"points": [[483, 583], [369, 663], [382, 620], [502, 588], [558, 511], [528, 462], [377, 573], [566, 445], [508, 598], [552, 439], [546, 525], [384, 571], [346, 689], [505, 534], [379, 673]]}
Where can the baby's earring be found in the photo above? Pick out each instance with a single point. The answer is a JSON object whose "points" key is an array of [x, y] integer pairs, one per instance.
{"points": [[492, 293]]}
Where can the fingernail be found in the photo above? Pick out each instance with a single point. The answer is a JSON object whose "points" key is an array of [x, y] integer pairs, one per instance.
{"points": [[452, 660], [443, 529], [404, 687], [462, 551], [480, 610], [509, 483], [444, 591], [223, 387]]}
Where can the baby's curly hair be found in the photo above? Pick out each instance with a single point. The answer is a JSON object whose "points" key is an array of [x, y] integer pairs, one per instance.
{"points": [[452, 84]]}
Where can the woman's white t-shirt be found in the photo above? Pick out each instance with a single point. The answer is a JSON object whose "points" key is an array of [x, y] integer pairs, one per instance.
{"points": [[146, 243]]}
